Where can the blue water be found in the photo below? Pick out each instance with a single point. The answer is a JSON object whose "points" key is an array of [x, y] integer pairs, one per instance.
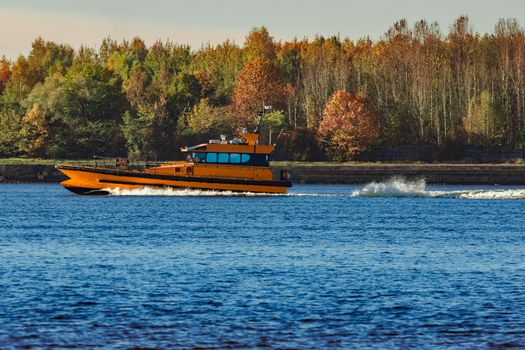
{"points": [[423, 268]]}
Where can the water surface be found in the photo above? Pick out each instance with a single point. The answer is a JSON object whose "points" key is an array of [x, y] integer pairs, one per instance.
{"points": [[395, 265]]}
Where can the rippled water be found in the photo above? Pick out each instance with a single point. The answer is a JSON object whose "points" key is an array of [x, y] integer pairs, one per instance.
{"points": [[392, 265]]}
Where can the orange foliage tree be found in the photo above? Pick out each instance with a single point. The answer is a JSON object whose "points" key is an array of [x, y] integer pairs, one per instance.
{"points": [[259, 82], [5, 73], [348, 126]]}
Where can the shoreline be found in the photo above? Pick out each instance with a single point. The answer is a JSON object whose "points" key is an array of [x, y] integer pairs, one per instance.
{"points": [[449, 174], [337, 173]]}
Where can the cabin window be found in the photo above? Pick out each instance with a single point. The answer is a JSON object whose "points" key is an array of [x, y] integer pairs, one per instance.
{"points": [[250, 159], [211, 157], [235, 158], [224, 157], [259, 160], [199, 157], [177, 170]]}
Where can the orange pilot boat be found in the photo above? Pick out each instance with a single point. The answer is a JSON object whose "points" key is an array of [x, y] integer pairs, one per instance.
{"points": [[240, 165]]}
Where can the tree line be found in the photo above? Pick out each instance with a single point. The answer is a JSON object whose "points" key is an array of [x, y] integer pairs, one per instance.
{"points": [[332, 97]]}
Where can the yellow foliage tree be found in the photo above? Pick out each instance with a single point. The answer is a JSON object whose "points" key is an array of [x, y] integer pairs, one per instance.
{"points": [[259, 43], [481, 123], [34, 132]]}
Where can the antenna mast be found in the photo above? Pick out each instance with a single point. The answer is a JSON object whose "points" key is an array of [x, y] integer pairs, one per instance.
{"points": [[265, 108]]}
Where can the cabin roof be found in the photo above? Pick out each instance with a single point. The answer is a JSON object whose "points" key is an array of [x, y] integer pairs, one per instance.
{"points": [[229, 148], [247, 144]]}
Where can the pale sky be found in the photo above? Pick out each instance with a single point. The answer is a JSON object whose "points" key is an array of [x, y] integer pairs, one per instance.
{"points": [[195, 22]]}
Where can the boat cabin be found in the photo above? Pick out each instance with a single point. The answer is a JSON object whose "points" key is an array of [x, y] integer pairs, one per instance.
{"points": [[244, 151], [240, 158]]}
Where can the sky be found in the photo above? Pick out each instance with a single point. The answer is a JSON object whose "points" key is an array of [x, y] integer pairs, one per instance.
{"points": [[198, 22]]}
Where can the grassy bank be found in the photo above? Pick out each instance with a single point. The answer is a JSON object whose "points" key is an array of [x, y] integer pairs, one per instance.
{"points": [[39, 161]]}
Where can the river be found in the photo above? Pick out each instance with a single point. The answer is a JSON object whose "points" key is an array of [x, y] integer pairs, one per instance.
{"points": [[388, 265]]}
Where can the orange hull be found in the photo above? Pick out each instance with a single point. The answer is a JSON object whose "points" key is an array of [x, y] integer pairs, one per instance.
{"points": [[92, 180]]}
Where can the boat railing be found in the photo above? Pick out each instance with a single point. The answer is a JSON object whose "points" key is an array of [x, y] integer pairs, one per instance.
{"points": [[119, 163]]}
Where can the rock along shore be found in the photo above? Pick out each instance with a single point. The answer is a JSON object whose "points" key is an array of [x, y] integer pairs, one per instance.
{"points": [[457, 174]]}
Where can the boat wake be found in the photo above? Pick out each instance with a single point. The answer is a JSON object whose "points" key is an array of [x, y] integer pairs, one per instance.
{"points": [[159, 191], [396, 187], [156, 191], [400, 187]]}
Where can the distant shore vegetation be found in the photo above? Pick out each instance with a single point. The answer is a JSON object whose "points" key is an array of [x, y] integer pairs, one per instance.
{"points": [[332, 98]]}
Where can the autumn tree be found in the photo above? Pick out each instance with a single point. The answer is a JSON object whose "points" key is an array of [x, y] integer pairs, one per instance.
{"points": [[5, 73], [482, 122], [289, 62], [259, 43], [326, 69], [34, 132], [463, 45], [259, 83], [45, 58], [349, 125], [509, 45]]}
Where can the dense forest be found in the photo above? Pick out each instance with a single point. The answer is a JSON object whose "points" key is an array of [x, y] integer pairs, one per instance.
{"points": [[332, 97]]}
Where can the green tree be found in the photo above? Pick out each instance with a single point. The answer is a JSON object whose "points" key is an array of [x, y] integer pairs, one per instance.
{"points": [[83, 110], [217, 67], [10, 124], [275, 121], [205, 122], [138, 131]]}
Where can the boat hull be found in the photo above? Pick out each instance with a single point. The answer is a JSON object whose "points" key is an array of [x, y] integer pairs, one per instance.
{"points": [[97, 181]]}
